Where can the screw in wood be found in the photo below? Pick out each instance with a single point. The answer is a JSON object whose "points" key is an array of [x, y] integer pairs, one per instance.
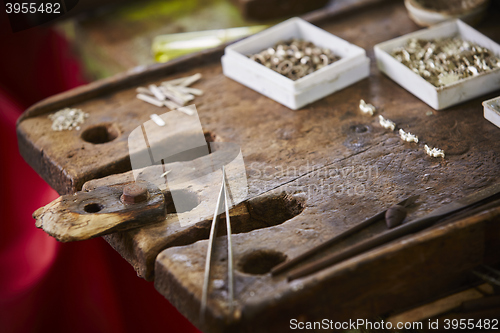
{"points": [[134, 193]]}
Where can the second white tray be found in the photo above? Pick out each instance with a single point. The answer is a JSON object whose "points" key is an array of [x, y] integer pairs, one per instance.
{"points": [[439, 97]]}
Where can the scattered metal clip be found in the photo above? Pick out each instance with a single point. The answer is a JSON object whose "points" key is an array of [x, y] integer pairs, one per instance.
{"points": [[386, 123], [367, 108], [434, 152], [407, 136]]}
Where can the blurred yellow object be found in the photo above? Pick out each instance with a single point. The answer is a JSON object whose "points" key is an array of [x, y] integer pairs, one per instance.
{"points": [[168, 47]]}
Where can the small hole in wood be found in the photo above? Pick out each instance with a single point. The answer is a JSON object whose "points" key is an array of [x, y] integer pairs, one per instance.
{"points": [[92, 208], [258, 213], [275, 209], [358, 128], [260, 262], [100, 134]]}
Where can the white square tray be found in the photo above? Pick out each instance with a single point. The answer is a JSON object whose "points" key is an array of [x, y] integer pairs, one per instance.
{"points": [[353, 66], [442, 97], [492, 110]]}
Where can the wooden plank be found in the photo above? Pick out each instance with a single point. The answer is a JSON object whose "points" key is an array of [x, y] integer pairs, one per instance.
{"points": [[372, 284]]}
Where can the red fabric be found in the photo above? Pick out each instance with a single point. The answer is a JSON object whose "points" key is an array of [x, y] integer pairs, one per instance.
{"points": [[47, 286]]}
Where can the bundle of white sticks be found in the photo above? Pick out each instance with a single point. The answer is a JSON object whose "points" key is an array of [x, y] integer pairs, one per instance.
{"points": [[173, 94]]}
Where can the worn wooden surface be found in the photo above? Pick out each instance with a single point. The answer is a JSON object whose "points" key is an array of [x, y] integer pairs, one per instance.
{"points": [[187, 193], [311, 174], [66, 160], [392, 277], [88, 215]]}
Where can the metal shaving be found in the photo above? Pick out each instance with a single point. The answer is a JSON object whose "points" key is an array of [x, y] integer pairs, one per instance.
{"points": [[295, 58], [386, 123], [434, 152], [67, 119], [445, 61], [407, 136], [367, 108]]}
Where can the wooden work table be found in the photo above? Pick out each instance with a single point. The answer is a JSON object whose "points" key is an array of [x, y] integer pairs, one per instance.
{"points": [[311, 174]]}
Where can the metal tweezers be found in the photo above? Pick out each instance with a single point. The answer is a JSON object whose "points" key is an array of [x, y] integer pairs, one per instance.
{"points": [[206, 278]]}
